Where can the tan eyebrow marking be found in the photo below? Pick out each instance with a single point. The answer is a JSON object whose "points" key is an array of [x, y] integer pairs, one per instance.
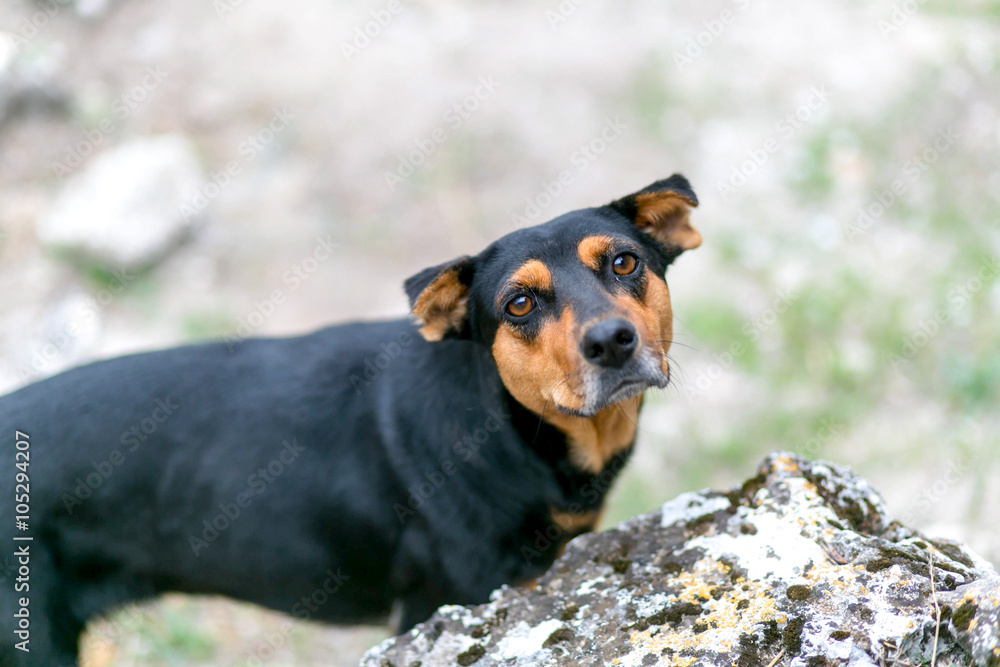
{"points": [[533, 276], [592, 249]]}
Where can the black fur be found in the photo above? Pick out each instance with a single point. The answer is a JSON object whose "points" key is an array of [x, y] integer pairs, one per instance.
{"points": [[372, 467]]}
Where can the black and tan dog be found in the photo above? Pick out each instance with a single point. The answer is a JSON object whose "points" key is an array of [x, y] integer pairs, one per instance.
{"points": [[335, 475]]}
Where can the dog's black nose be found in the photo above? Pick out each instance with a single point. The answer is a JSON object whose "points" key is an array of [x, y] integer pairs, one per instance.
{"points": [[610, 343]]}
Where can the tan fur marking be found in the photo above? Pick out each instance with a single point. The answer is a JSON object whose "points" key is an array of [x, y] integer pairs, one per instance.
{"points": [[659, 312], [540, 373], [592, 249], [653, 317], [596, 440], [576, 523], [666, 217], [533, 275], [442, 306]]}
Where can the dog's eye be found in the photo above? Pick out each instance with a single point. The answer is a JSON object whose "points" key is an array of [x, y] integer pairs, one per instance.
{"points": [[625, 263], [520, 306]]}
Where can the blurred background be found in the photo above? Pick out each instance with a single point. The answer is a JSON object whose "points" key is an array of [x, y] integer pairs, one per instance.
{"points": [[180, 171]]}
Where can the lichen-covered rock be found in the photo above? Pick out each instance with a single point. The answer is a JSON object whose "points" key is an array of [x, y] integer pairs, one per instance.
{"points": [[799, 566]]}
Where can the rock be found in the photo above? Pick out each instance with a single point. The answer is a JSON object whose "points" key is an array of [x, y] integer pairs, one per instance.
{"points": [[92, 9], [27, 86], [124, 209], [800, 566]]}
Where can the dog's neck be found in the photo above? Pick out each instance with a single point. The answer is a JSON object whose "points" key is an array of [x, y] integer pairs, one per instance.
{"points": [[582, 447], [594, 441]]}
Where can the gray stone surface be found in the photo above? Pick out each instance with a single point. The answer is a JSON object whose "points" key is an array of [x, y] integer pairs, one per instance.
{"points": [[799, 566], [124, 208], [27, 86]]}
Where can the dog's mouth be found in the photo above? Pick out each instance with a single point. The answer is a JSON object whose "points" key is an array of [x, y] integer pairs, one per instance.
{"points": [[609, 388], [627, 390]]}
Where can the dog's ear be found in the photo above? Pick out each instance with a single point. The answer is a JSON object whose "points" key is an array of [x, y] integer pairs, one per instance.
{"points": [[662, 210], [439, 299]]}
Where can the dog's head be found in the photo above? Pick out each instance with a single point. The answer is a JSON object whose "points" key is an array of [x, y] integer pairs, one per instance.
{"points": [[576, 311]]}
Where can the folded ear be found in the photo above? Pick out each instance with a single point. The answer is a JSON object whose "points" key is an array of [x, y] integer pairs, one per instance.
{"points": [[662, 210], [439, 299]]}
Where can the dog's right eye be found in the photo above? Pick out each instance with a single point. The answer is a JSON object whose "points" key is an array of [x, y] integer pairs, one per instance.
{"points": [[625, 264], [520, 306]]}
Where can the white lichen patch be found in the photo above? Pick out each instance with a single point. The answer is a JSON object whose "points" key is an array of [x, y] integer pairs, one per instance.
{"points": [[690, 506], [524, 643], [777, 550], [591, 586]]}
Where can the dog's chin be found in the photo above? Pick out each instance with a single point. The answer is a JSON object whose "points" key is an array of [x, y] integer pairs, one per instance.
{"points": [[614, 394]]}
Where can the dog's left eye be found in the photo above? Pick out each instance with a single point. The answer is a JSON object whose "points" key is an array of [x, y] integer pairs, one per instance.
{"points": [[520, 306], [625, 264]]}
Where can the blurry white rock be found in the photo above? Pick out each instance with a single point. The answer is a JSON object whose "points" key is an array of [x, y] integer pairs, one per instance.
{"points": [[92, 9], [124, 208], [7, 53]]}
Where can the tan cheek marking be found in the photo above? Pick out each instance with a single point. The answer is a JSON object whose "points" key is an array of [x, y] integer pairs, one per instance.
{"points": [[442, 306], [653, 315], [661, 312], [542, 371], [533, 275], [592, 249]]}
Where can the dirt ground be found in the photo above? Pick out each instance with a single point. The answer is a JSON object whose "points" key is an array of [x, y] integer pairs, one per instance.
{"points": [[847, 158]]}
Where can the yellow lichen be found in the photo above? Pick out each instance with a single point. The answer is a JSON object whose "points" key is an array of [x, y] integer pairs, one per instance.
{"points": [[725, 623]]}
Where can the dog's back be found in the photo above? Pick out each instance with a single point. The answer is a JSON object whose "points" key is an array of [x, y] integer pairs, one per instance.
{"points": [[277, 471]]}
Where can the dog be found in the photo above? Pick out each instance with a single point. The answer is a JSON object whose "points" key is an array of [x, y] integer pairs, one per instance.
{"points": [[361, 471]]}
